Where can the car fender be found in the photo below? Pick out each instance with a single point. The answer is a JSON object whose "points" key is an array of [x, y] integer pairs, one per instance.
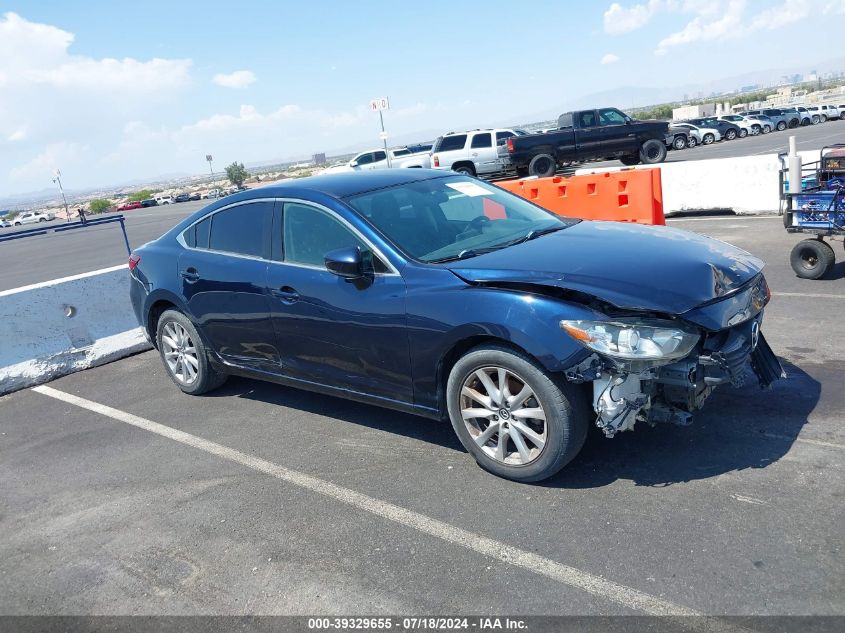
{"points": [[446, 322]]}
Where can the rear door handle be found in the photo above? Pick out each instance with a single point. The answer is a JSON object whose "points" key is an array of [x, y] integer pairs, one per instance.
{"points": [[191, 275], [287, 294]]}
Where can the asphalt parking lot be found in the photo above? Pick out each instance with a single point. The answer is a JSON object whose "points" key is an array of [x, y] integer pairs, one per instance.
{"points": [[123, 496]]}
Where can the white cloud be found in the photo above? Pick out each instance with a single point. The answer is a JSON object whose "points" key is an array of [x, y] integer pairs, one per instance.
{"points": [[55, 106], [708, 26], [237, 79], [610, 58], [618, 19], [34, 54]]}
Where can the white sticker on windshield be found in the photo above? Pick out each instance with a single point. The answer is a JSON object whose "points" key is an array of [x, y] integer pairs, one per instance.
{"points": [[470, 189]]}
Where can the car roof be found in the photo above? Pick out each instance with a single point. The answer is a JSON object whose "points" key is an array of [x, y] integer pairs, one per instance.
{"points": [[348, 184]]}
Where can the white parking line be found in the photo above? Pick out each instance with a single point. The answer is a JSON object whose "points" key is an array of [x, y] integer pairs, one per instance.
{"points": [[715, 218], [777, 436], [808, 295], [607, 589]]}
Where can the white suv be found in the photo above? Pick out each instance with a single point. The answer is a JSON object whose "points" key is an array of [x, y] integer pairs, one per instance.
{"points": [[164, 199], [473, 153]]}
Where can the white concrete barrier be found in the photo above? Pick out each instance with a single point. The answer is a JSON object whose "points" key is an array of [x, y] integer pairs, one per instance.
{"points": [[57, 327], [745, 185]]}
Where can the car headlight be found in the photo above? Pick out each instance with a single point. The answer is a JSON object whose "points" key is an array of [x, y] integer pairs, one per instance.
{"points": [[652, 340]]}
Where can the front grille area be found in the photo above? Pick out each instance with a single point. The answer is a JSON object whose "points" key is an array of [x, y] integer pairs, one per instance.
{"points": [[730, 351]]}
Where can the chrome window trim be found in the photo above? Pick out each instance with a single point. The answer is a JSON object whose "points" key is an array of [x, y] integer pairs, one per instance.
{"points": [[392, 271]]}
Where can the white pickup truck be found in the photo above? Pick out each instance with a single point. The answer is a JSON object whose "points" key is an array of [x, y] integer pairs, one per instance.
{"points": [[31, 217], [400, 157]]}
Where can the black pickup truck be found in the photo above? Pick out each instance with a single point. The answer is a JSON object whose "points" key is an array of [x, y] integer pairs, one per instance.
{"points": [[604, 133]]}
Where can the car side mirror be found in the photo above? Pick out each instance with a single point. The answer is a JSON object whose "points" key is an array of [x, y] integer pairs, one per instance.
{"points": [[353, 163], [346, 262]]}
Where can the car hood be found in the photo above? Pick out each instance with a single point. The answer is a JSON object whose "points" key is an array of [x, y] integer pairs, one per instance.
{"points": [[654, 268]]}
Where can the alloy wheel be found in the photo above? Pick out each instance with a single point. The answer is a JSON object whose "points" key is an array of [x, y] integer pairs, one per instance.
{"points": [[180, 353], [503, 416]]}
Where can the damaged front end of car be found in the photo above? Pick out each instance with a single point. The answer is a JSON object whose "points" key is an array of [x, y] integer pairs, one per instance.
{"points": [[662, 369]]}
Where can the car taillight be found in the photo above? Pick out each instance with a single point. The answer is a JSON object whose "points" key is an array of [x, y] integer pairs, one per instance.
{"points": [[134, 260], [510, 144], [436, 160]]}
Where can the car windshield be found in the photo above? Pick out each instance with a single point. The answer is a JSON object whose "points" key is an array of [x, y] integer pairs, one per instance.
{"points": [[453, 218]]}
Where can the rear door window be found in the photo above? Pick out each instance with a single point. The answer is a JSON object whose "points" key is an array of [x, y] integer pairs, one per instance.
{"points": [[240, 230], [482, 140], [450, 143], [587, 119]]}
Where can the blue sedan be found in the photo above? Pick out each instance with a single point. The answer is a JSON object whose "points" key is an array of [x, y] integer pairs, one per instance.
{"points": [[447, 297]]}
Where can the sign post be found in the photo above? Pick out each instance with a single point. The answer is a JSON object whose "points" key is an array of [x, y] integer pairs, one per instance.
{"points": [[380, 105]]}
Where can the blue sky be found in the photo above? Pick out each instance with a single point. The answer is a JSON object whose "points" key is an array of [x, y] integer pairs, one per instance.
{"points": [[115, 91]]}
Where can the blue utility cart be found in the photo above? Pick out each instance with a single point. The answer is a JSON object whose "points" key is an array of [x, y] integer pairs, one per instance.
{"points": [[818, 210]]}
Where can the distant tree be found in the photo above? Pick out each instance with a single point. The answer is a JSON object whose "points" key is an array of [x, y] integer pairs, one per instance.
{"points": [[236, 173], [142, 195], [99, 206]]}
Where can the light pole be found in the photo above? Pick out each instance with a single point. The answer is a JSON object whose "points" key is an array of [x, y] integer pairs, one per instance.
{"points": [[58, 179]]}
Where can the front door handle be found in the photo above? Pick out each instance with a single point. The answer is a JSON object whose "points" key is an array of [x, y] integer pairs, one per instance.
{"points": [[287, 294], [191, 275]]}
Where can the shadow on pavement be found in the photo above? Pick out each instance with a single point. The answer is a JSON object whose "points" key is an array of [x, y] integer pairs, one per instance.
{"points": [[737, 429]]}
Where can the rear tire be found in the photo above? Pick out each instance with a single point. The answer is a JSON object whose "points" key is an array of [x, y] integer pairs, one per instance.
{"points": [[524, 441], [708, 139], [781, 126], [652, 152], [811, 259], [692, 142], [680, 142], [184, 355], [730, 135], [542, 166], [743, 133], [466, 170], [630, 161]]}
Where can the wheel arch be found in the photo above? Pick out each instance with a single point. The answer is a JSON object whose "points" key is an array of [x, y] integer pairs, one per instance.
{"points": [[458, 349], [157, 304]]}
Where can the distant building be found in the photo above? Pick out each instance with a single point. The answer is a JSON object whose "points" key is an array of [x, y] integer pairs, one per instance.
{"points": [[693, 111], [319, 159]]}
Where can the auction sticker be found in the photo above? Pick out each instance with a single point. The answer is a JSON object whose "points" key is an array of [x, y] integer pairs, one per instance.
{"points": [[470, 189]]}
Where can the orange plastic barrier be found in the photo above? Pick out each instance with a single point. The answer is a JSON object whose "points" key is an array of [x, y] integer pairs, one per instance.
{"points": [[630, 195]]}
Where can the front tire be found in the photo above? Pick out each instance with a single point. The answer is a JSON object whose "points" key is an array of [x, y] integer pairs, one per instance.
{"points": [[708, 139], [811, 259], [514, 419], [781, 126], [692, 142], [730, 135], [653, 152], [680, 142], [185, 356], [542, 166], [743, 133]]}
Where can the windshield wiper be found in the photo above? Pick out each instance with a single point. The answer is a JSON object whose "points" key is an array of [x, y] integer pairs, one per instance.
{"points": [[534, 234], [467, 253]]}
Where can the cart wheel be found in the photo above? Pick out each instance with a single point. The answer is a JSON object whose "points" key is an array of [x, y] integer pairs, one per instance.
{"points": [[811, 259]]}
